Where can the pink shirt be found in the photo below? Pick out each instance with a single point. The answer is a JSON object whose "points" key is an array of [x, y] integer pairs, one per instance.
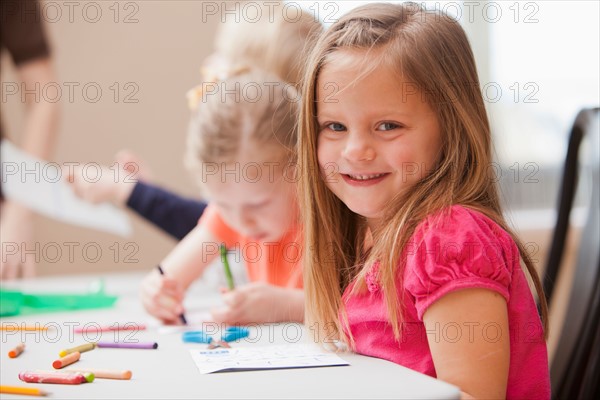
{"points": [[460, 249]]}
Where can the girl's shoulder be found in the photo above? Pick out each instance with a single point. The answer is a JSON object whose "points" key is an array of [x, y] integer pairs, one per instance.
{"points": [[458, 248], [459, 222]]}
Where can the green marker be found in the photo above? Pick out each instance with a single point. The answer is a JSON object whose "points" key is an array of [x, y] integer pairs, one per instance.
{"points": [[226, 267]]}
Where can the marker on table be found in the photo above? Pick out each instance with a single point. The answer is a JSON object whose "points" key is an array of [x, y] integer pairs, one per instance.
{"points": [[14, 353], [181, 316], [228, 274], [82, 349], [121, 345], [22, 390]]}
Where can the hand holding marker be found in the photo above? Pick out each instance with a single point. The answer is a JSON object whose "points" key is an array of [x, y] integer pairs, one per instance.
{"points": [[181, 316]]}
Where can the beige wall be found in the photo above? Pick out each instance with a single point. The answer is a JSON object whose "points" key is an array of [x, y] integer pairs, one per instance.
{"points": [[160, 54]]}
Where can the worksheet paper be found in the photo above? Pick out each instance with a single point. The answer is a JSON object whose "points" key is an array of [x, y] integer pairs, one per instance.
{"points": [[36, 184], [264, 357]]}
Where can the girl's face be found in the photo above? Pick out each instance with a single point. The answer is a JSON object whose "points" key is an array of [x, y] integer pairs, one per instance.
{"points": [[254, 198], [377, 135]]}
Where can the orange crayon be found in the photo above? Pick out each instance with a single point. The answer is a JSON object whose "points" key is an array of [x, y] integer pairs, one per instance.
{"points": [[66, 360], [14, 353]]}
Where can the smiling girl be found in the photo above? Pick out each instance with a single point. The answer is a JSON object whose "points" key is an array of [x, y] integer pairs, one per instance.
{"points": [[413, 261]]}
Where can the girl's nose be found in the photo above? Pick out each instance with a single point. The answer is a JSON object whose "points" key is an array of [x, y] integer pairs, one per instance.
{"points": [[359, 147]]}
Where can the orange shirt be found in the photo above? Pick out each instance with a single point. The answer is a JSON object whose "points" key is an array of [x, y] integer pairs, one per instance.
{"points": [[277, 263]]}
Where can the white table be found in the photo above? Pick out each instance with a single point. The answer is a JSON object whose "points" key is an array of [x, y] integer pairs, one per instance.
{"points": [[169, 371]]}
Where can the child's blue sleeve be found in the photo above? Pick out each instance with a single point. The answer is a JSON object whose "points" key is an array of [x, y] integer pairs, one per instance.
{"points": [[174, 214]]}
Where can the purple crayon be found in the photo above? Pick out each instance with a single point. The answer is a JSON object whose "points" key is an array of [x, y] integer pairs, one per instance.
{"points": [[117, 345]]}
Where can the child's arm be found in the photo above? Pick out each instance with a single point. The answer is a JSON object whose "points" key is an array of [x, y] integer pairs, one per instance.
{"points": [[173, 214], [468, 335], [259, 302], [99, 186], [162, 295]]}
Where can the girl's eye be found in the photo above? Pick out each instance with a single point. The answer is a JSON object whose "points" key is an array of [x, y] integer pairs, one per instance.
{"points": [[387, 126], [336, 127]]}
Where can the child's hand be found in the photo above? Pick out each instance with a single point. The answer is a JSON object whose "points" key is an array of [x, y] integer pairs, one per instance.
{"points": [[132, 163], [162, 297], [113, 184], [260, 303]]}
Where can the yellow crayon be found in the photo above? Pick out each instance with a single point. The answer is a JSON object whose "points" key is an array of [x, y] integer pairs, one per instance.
{"points": [[22, 390], [10, 327], [82, 349], [14, 353]]}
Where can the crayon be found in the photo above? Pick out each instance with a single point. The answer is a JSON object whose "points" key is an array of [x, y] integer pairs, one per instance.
{"points": [[56, 377], [14, 353], [87, 375], [121, 345], [81, 349], [182, 315], [22, 390], [107, 374], [66, 360], [112, 328], [11, 327]]}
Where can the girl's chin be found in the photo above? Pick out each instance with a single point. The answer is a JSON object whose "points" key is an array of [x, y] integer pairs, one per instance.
{"points": [[366, 212], [259, 238], [265, 238]]}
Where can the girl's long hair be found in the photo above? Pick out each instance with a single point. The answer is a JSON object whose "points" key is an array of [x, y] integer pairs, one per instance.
{"points": [[432, 51]]}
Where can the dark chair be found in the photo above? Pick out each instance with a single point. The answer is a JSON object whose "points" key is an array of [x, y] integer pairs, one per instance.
{"points": [[566, 197], [575, 372]]}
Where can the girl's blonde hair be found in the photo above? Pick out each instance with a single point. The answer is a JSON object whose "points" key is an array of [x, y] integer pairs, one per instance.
{"points": [[272, 41], [254, 108], [430, 50]]}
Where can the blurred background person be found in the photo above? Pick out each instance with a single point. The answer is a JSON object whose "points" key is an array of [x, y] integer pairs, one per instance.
{"points": [[22, 36]]}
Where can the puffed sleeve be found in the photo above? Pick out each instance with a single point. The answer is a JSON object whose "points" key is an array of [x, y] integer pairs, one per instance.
{"points": [[458, 249]]}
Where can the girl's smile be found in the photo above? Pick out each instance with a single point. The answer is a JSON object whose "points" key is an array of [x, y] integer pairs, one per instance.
{"points": [[363, 179]]}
